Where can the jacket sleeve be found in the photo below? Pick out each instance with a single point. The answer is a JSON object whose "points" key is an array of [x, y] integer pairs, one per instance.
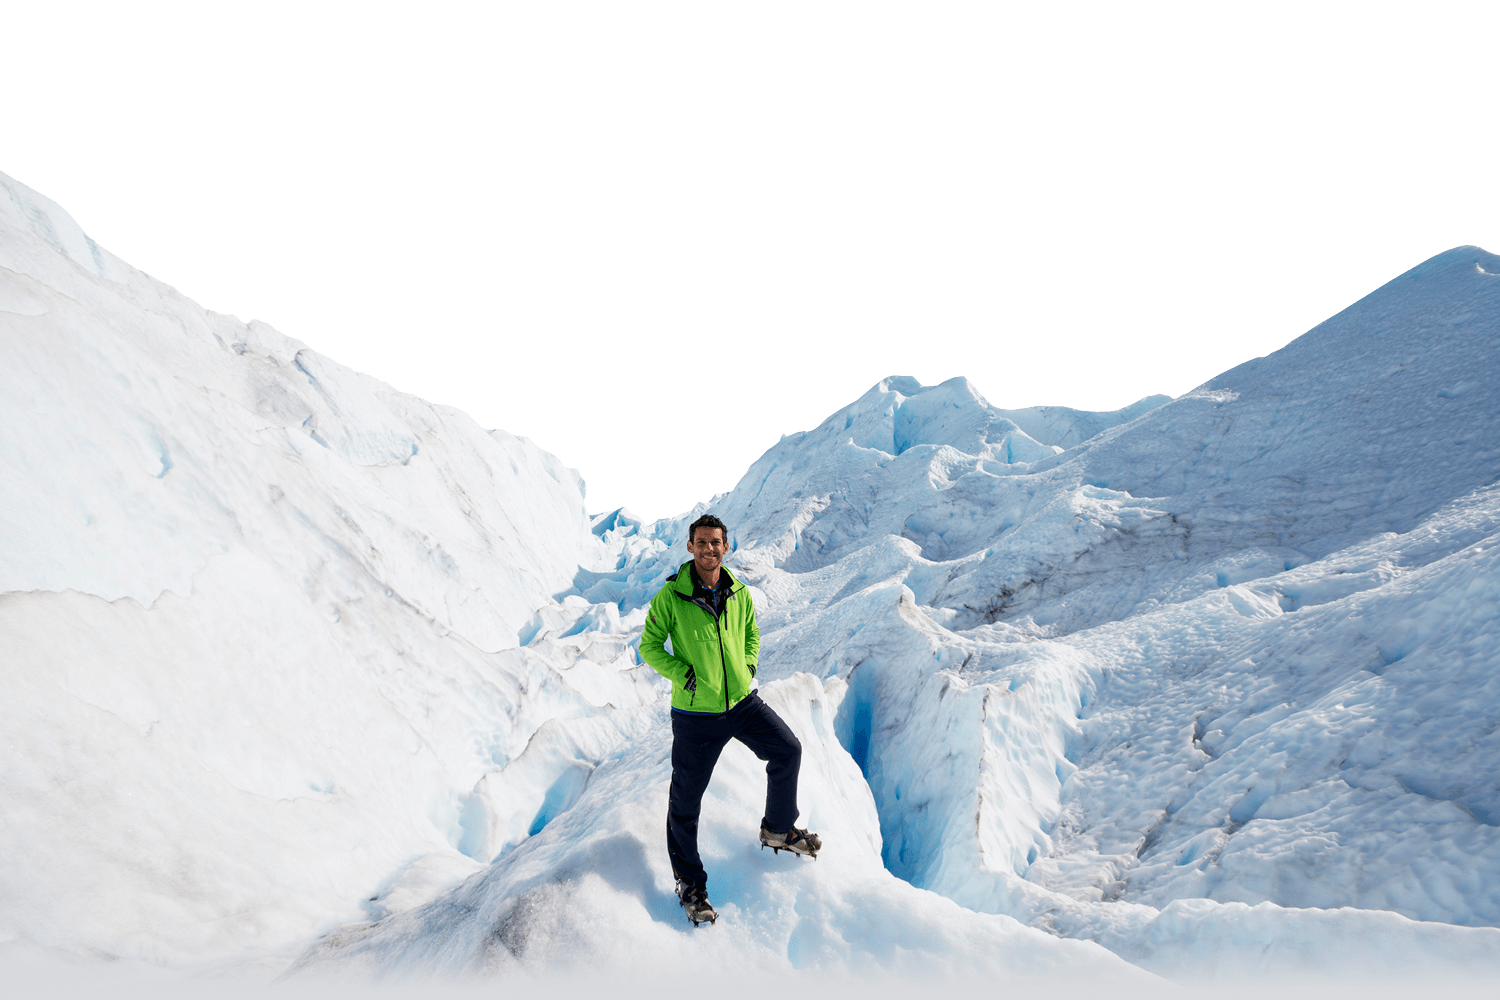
{"points": [[752, 636], [654, 644]]}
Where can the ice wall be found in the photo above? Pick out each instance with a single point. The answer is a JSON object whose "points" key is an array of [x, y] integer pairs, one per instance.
{"points": [[1180, 659], [259, 616]]}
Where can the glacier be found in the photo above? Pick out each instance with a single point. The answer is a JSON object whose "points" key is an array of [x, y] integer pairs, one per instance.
{"points": [[307, 678]]}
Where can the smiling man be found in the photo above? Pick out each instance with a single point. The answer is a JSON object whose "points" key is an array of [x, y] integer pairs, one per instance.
{"points": [[710, 619]]}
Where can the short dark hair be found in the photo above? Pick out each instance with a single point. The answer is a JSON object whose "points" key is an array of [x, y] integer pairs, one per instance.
{"points": [[707, 521]]}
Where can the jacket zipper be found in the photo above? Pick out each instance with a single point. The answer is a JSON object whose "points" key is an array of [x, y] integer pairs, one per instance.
{"points": [[723, 660]]}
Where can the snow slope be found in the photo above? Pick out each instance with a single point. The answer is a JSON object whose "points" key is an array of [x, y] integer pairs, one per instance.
{"points": [[1203, 685], [259, 616]]}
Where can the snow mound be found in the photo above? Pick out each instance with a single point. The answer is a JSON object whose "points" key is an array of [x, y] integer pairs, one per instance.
{"points": [[591, 889]]}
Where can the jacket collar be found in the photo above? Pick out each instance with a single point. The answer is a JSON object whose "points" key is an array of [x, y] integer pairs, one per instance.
{"points": [[684, 584]]}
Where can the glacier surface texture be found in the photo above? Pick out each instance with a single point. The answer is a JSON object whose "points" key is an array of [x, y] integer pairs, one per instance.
{"points": [[306, 677]]}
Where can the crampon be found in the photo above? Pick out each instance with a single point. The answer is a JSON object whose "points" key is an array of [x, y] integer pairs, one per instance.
{"points": [[794, 840], [694, 902]]}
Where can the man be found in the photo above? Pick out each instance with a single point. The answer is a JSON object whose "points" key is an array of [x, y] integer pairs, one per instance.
{"points": [[710, 618]]}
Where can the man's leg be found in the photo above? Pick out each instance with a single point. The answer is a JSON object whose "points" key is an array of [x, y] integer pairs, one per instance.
{"points": [[770, 739], [697, 742]]}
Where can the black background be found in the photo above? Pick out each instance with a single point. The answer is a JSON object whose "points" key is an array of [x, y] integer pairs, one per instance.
{"points": [[660, 330]]}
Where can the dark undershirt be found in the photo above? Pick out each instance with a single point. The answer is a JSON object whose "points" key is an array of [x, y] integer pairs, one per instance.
{"points": [[714, 598]]}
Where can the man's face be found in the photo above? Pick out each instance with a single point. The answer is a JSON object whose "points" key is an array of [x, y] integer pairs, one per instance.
{"points": [[708, 548]]}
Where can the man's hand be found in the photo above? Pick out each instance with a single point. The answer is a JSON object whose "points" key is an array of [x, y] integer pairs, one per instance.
{"points": [[691, 681]]}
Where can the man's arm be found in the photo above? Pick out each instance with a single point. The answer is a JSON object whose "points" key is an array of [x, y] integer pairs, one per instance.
{"points": [[654, 646], [752, 637]]}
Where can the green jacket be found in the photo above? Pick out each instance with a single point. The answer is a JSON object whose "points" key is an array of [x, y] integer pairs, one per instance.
{"points": [[717, 655]]}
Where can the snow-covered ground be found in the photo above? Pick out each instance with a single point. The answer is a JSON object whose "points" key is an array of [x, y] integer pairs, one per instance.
{"points": [[307, 677]]}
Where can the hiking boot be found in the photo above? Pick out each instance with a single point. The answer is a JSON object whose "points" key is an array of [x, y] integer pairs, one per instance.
{"points": [[794, 840], [694, 902]]}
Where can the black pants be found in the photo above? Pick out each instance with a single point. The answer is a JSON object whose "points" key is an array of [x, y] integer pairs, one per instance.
{"points": [[697, 741]]}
